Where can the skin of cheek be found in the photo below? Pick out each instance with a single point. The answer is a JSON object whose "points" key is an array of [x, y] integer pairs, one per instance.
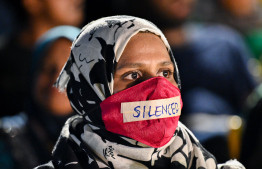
{"points": [[49, 98], [39, 92], [119, 86]]}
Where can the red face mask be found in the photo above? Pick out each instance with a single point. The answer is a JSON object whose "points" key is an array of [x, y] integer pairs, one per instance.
{"points": [[147, 112]]}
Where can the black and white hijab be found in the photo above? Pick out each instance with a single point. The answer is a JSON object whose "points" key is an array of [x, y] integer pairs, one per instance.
{"points": [[88, 80]]}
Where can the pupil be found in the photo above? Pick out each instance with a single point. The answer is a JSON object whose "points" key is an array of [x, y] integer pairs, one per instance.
{"points": [[165, 73], [134, 75]]}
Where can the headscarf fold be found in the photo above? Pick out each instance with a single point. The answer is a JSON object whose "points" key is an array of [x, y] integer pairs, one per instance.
{"points": [[88, 78]]}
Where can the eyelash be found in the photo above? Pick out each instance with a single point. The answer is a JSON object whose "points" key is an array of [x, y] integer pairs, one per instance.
{"points": [[169, 72], [139, 74], [130, 73]]}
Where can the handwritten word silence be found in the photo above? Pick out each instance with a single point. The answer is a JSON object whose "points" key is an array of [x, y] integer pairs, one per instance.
{"points": [[151, 109], [157, 110]]}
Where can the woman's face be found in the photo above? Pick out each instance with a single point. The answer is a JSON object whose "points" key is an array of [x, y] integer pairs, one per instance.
{"points": [[144, 57], [240, 8], [174, 9], [45, 94], [64, 12]]}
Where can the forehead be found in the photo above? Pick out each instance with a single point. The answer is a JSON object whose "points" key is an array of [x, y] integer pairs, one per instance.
{"points": [[146, 48], [57, 51], [146, 37], [145, 42]]}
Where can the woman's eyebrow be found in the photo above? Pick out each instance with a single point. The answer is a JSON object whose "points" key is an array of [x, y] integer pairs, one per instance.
{"points": [[138, 65], [130, 65], [165, 63]]}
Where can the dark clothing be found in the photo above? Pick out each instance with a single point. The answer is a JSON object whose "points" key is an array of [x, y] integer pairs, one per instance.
{"points": [[23, 144], [215, 81], [251, 150], [14, 68], [26, 143], [215, 58]]}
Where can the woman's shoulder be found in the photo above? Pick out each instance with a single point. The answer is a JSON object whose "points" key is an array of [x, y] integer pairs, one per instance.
{"points": [[186, 132]]}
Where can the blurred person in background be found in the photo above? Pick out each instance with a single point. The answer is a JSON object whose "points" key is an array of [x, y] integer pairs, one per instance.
{"points": [[251, 149], [242, 15], [212, 60], [245, 16], [6, 21], [28, 137], [32, 19]]}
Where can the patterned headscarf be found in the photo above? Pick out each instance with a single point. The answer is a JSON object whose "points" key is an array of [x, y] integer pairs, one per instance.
{"points": [[88, 77], [88, 74]]}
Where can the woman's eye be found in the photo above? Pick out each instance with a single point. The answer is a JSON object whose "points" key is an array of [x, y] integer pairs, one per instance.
{"points": [[165, 73], [132, 76]]}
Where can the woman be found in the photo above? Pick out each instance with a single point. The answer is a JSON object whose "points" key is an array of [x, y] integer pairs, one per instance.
{"points": [[27, 139], [123, 81], [32, 18]]}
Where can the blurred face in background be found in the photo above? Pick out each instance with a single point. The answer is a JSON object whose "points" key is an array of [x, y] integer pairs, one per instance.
{"points": [[174, 9], [163, 13], [64, 12], [45, 94], [171, 13], [240, 8]]}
